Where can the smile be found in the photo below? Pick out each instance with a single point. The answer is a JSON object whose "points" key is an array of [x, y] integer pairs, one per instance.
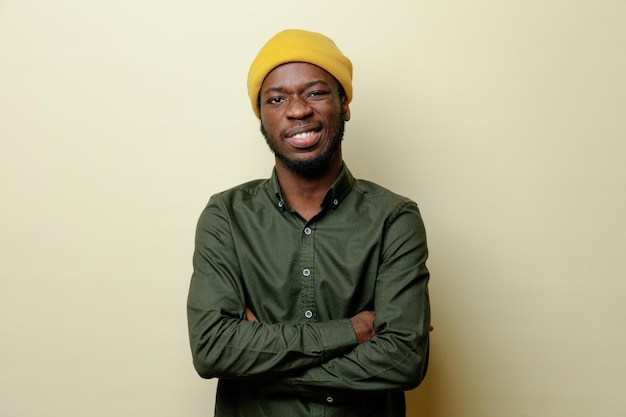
{"points": [[303, 139], [303, 135]]}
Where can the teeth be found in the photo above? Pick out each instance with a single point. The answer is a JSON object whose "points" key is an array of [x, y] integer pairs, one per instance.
{"points": [[303, 135]]}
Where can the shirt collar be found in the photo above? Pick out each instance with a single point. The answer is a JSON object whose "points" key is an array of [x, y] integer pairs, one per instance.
{"points": [[334, 196]]}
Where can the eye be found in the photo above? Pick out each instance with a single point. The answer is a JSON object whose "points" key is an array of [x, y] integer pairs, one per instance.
{"points": [[318, 94], [275, 100]]}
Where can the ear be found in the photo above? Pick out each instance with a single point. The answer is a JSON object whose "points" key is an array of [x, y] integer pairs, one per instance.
{"points": [[346, 108]]}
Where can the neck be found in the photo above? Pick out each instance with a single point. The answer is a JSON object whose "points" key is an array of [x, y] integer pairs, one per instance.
{"points": [[305, 194]]}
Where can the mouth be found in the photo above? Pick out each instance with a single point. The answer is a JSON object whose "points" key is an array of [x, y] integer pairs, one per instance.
{"points": [[303, 138]]}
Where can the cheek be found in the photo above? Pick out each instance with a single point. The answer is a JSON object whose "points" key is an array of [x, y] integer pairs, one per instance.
{"points": [[269, 126], [268, 116]]}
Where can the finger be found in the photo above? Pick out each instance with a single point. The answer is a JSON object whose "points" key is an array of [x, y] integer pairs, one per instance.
{"points": [[250, 315]]}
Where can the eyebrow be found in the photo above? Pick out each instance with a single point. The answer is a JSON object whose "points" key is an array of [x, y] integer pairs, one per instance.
{"points": [[279, 88]]}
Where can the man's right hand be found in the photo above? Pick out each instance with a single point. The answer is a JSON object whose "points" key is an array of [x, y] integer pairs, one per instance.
{"points": [[363, 326]]}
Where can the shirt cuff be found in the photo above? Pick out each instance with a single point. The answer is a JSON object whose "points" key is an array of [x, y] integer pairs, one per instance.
{"points": [[337, 336]]}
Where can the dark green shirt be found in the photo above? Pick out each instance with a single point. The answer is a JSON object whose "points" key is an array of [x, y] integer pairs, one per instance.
{"points": [[365, 250]]}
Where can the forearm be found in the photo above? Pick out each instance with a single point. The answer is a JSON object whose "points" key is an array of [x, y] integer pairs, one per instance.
{"points": [[394, 359], [389, 362], [230, 347]]}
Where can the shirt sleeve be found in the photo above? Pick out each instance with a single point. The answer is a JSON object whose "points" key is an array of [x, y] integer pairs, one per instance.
{"points": [[223, 343], [397, 356]]}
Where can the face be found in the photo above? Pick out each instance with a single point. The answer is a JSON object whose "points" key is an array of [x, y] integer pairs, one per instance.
{"points": [[303, 117]]}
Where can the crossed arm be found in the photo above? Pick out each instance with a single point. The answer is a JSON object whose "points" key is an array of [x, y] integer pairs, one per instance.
{"points": [[362, 324]]}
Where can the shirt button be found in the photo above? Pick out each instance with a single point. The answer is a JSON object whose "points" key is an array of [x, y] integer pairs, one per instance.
{"points": [[336, 202], [308, 314], [280, 204], [307, 231], [306, 272], [329, 400]]}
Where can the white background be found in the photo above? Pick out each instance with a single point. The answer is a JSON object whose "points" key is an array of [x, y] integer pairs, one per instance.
{"points": [[504, 120]]}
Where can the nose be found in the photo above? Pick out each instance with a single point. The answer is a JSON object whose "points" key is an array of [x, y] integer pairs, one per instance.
{"points": [[298, 109]]}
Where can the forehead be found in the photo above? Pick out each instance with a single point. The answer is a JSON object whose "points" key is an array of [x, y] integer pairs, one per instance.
{"points": [[294, 75]]}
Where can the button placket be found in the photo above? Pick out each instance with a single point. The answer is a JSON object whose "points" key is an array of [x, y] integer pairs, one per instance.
{"points": [[307, 281]]}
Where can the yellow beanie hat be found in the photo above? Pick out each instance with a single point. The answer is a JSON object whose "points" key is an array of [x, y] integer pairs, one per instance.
{"points": [[295, 45]]}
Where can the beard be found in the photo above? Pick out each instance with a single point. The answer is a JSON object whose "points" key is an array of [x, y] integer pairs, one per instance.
{"points": [[312, 167]]}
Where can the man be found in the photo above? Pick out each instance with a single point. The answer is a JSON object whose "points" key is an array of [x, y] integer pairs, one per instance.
{"points": [[309, 292]]}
